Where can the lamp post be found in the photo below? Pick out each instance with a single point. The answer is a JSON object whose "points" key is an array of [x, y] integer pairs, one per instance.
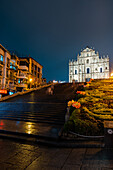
{"points": [[111, 75]]}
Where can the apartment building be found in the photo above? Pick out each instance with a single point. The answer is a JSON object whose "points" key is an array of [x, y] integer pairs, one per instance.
{"points": [[14, 69], [5, 58], [18, 73], [31, 72]]}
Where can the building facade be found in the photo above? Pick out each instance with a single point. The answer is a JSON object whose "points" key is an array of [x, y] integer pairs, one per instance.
{"points": [[5, 58], [30, 72], [88, 66], [18, 73]]}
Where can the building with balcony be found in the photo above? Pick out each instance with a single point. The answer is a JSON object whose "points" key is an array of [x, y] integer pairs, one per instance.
{"points": [[5, 58], [32, 71], [23, 74], [88, 66], [18, 73], [14, 69]]}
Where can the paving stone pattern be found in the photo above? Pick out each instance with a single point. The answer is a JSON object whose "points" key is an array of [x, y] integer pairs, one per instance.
{"points": [[20, 156]]}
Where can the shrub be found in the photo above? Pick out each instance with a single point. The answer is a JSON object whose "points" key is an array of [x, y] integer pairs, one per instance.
{"points": [[69, 126]]}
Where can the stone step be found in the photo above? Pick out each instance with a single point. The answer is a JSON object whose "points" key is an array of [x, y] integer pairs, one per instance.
{"points": [[34, 120]]}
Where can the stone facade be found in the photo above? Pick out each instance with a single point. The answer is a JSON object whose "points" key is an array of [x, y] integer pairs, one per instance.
{"points": [[88, 65]]}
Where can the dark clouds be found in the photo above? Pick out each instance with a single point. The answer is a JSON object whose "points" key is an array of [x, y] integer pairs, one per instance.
{"points": [[53, 31]]}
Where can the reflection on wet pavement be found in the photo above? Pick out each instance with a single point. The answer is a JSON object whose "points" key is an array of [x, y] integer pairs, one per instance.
{"points": [[36, 112]]}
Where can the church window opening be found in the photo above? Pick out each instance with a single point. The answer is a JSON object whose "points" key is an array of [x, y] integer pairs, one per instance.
{"points": [[88, 70], [100, 70], [87, 61], [75, 71]]}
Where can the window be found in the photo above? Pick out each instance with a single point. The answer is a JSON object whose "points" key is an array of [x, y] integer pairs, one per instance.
{"points": [[87, 79], [0, 72], [8, 62], [1, 58], [35, 67], [24, 63], [75, 71], [100, 70], [38, 69], [88, 70], [87, 61], [38, 75], [106, 68], [7, 73], [96, 69], [11, 65]]}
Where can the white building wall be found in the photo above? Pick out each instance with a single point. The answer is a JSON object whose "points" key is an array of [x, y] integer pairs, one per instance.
{"points": [[88, 61]]}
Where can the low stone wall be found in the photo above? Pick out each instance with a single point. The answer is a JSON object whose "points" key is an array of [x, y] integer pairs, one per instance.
{"points": [[22, 93]]}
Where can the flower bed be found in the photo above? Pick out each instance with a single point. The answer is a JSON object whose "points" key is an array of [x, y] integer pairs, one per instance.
{"points": [[92, 105]]}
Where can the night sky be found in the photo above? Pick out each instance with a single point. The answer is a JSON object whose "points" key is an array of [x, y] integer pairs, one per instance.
{"points": [[54, 31]]}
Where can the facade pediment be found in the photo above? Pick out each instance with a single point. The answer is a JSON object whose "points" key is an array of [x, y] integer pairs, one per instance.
{"points": [[88, 65]]}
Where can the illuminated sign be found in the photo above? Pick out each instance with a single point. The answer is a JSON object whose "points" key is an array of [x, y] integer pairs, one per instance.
{"points": [[3, 91]]}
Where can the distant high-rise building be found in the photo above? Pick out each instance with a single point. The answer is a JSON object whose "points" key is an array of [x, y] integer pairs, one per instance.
{"points": [[88, 66]]}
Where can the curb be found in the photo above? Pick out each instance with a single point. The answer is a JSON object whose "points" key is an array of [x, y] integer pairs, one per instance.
{"points": [[51, 142], [22, 93]]}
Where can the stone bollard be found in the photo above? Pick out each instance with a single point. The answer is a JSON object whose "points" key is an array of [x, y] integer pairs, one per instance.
{"points": [[67, 115], [108, 133]]}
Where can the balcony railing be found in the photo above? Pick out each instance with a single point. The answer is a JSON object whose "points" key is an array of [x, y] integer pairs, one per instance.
{"points": [[22, 85], [12, 76], [23, 68]]}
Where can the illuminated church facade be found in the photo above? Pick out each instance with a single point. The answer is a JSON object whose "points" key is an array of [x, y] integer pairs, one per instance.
{"points": [[88, 66]]}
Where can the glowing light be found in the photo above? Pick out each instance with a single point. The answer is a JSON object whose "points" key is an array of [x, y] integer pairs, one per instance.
{"points": [[30, 79], [3, 91], [1, 124], [29, 128], [111, 74]]}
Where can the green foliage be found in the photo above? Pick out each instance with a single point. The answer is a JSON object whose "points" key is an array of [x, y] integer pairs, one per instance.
{"points": [[69, 126], [96, 106]]}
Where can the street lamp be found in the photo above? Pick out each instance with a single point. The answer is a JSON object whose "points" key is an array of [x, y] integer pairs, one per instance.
{"points": [[30, 80], [111, 75]]}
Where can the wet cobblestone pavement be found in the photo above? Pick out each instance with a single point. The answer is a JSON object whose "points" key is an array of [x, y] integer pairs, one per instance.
{"points": [[15, 155], [37, 112]]}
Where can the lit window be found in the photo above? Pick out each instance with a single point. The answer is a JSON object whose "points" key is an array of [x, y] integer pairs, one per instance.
{"points": [[19, 81], [88, 70], [1, 58]]}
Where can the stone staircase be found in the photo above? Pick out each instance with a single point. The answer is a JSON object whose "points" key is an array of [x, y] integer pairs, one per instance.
{"points": [[44, 113]]}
